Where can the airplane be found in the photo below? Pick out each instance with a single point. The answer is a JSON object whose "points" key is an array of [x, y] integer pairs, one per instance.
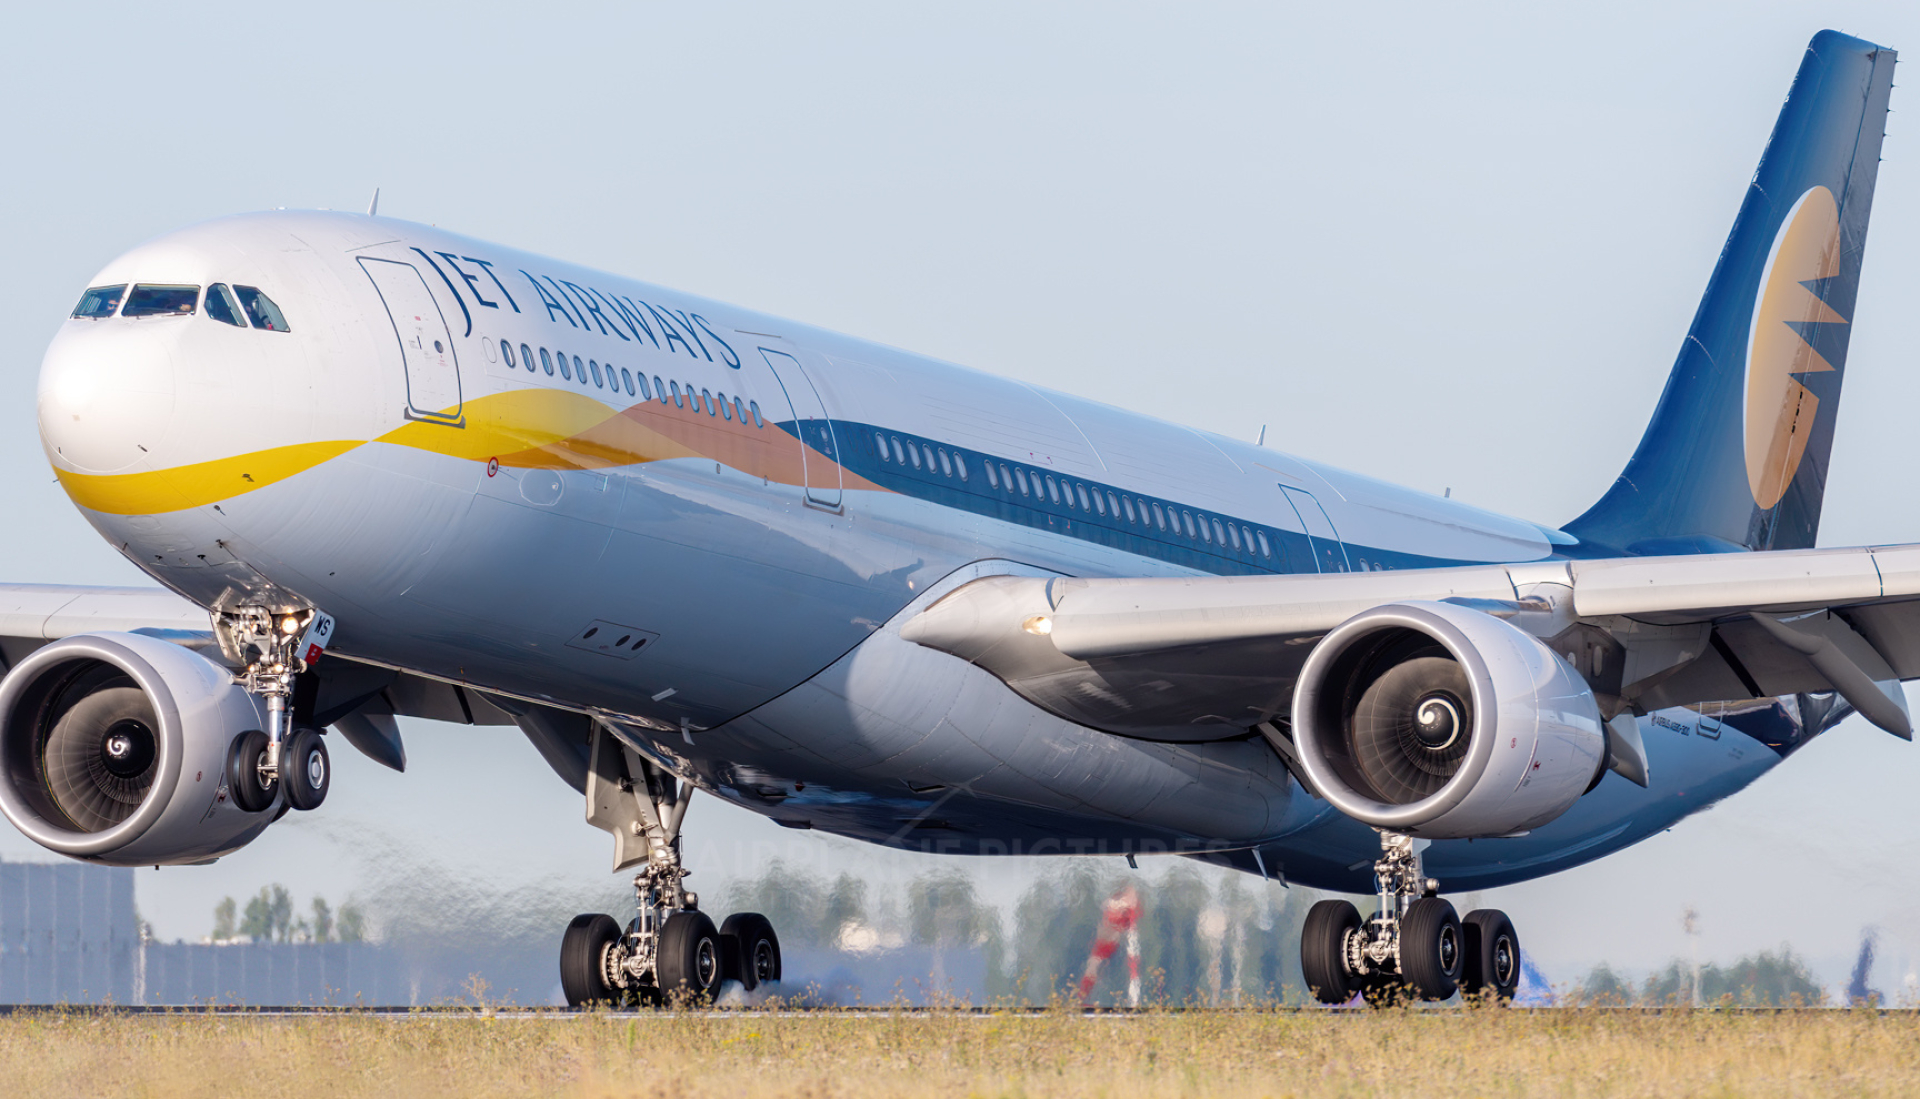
{"points": [[380, 470]]}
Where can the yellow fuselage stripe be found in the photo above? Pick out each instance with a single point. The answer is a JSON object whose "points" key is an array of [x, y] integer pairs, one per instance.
{"points": [[523, 429]]}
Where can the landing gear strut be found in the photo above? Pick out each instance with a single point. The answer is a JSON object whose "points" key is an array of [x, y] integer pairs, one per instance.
{"points": [[274, 647], [1415, 945], [671, 952]]}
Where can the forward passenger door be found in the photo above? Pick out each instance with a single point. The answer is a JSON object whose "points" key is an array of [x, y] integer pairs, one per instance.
{"points": [[426, 344]]}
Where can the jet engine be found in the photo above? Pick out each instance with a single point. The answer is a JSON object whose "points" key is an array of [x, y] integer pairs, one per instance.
{"points": [[114, 749], [1444, 722]]}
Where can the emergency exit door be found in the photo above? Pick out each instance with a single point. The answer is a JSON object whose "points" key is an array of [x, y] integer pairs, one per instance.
{"points": [[426, 345]]}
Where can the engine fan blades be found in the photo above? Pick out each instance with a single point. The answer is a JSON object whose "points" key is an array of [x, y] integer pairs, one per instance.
{"points": [[1412, 728], [100, 757]]}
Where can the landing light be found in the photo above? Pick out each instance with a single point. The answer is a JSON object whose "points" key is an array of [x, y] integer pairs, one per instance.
{"points": [[289, 624], [1039, 625]]}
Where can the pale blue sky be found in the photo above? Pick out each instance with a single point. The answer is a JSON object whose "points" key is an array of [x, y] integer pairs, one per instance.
{"points": [[1449, 248]]}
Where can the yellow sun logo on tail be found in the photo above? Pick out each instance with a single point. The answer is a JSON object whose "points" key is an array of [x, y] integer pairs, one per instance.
{"points": [[1780, 410]]}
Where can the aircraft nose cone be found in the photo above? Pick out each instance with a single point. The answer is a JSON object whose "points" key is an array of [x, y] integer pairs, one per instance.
{"points": [[106, 396]]}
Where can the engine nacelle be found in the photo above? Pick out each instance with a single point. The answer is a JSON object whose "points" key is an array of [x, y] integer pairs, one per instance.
{"points": [[1444, 722], [114, 749]]}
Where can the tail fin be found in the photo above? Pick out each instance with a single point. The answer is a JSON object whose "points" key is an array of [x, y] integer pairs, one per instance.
{"points": [[1736, 455]]}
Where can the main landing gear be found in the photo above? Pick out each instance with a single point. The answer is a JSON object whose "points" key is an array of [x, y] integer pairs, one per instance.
{"points": [[274, 648], [670, 953], [1415, 946]]}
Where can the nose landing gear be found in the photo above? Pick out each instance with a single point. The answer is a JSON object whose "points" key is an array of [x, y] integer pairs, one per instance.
{"points": [[274, 647], [1415, 945], [670, 953]]}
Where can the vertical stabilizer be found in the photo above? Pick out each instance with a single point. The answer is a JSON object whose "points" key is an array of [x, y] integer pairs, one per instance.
{"points": [[1736, 455]]}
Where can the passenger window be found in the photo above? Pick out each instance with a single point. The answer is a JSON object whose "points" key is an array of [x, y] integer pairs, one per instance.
{"points": [[260, 309], [579, 372], [1097, 505], [99, 301], [155, 300], [993, 479], [1053, 489], [659, 390], [222, 307], [1113, 505], [726, 412], [546, 361], [565, 370], [1204, 536], [899, 455], [1127, 502], [1266, 549], [880, 441], [1020, 475], [626, 379], [738, 412], [1085, 504], [754, 406], [678, 400], [526, 358], [1233, 535], [506, 349], [1159, 517], [594, 365], [960, 466], [706, 398], [928, 451], [1187, 518], [946, 466], [1006, 479], [913, 452]]}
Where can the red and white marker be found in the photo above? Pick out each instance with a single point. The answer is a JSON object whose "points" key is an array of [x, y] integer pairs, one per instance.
{"points": [[1120, 915]]}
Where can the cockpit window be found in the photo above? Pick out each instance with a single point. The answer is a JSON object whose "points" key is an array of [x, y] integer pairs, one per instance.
{"points": [[260, 309], [222, 307], [99, 301], [152, 299]]}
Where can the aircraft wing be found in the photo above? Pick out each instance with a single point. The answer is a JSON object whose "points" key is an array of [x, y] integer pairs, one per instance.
{"points": [[1205, 658]]}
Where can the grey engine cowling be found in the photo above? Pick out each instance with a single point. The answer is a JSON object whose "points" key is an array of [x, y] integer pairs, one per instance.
{"points": [[1445, 722], [114, 749]]}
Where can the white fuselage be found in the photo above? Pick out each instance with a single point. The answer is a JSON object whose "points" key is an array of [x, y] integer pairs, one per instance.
{"points": [[750, 507]]}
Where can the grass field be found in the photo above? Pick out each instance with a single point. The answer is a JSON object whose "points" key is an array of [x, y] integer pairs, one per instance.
{"points": [[818, 1054]]}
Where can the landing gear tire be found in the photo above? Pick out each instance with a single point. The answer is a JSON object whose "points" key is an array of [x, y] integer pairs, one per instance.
{"points": [[583, 961], [753, 950], [304, 769], [1492, 958], [1323, 951], [689, 964], [244, 784], [1431, 949]]}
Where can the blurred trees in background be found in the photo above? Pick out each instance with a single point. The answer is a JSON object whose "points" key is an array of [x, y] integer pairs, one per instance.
{"points": [[1234, 942], [1780, 979], [268, 917]]}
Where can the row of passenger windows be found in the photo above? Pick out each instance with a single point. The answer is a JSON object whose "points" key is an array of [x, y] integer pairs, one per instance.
{"points": [[635, 385], [236, 305], [1209, 530]]}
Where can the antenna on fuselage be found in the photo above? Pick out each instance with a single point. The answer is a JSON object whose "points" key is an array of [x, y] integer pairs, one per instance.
{"points": [[373, 208], [1262, 441]]}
